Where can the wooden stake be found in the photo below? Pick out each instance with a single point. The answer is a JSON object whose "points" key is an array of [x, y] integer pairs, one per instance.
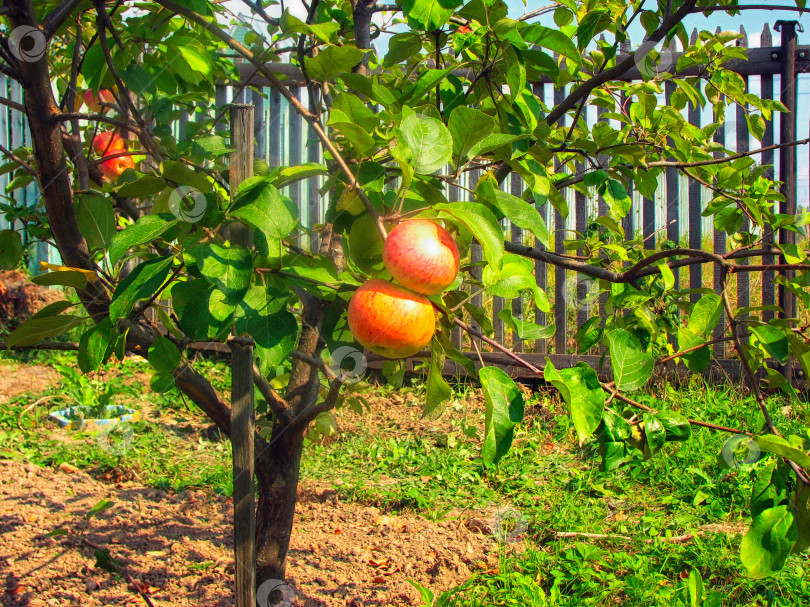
{"points": [[243, 414]]}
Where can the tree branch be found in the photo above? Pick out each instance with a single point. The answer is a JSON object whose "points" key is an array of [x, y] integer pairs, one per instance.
{"points": [[58, 16], [701, 163], [627, 63], [314, 411], [67, 116], [12, 104], [278, 405]]}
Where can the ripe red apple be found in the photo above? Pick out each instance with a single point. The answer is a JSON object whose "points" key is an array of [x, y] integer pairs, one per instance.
{"points": [[421, 256], [107, 142], [93, 101], [390, 320], [113, 167]]}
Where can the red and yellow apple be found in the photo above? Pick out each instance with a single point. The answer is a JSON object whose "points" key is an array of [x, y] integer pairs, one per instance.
{"points": [[107, 142], [113, 167], [94, 102], [390, 320], [421, 256]]}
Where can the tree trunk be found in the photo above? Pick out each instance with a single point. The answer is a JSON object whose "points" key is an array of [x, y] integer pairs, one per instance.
{"points": [[277, 472]]}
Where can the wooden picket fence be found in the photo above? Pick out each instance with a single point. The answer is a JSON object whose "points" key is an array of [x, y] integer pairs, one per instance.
{"points": [[283, 138]]}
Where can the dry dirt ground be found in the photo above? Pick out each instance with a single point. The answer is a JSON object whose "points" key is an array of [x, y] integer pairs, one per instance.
{"points": [[177, 549]]}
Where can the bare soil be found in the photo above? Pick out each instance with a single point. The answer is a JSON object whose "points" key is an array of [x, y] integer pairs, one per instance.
{"points": [[178, 550], [20, 298]]}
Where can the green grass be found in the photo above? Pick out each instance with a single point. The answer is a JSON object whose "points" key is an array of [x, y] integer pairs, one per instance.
{"points": [[554, 485], [164, 450], [547, 482]]}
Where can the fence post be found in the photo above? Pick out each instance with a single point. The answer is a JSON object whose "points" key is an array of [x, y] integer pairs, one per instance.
{"points": [[787, 157], [768, 296], [242, 405]]}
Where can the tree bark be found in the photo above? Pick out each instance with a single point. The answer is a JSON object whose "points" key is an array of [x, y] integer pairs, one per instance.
{"points": [[54, 177], [277, 473]]}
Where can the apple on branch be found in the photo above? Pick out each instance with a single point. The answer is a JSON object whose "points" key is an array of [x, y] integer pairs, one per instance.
{"points": [[94, 102], [390, 320], [107, 142], [113, 167], [421, 256]]}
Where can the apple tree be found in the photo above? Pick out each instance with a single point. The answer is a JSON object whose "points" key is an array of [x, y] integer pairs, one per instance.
{"points": [[452, 94]]}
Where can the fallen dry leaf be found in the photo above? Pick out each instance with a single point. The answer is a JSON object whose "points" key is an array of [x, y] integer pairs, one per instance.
{"points": [[67, 468]]}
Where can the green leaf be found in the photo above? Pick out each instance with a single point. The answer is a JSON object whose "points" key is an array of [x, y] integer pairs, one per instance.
{"points": [[773, 340], [438, 390], [164, 355], [695, 589], [523, 215], [429, 142], [38, 329], [427, 82], [357, 136], [768, 543], [589, 334], [613, 433], [347, 107], [581, 389], [162, 382], [428, 15], [482, 224], [492, 142], [617, 199], [228, 269], [333, 61], [801, 512], [94, 346], [203, 310], [54, 309], [525, 330], [698, 360], [504, 409], [676, 426], [402, 47], [515, 70], [288, 175], [96, 219], [143, 282], [99, 508], [260, 203], [632, 367], [515, 276], [182, 174], [779, 446], [654, 432], [142, 187], [551, 39], [706, 314], [263, 316], [63, 278], [468, 127], [11, 249], [145, 230]]}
